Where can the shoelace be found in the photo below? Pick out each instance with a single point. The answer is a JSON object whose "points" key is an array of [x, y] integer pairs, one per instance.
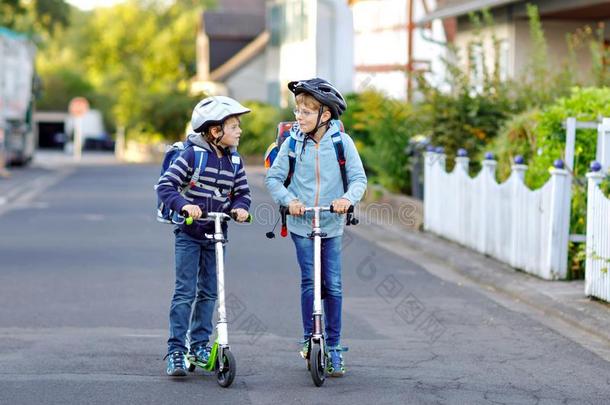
{"points": [[203, 352], [177, 360]]}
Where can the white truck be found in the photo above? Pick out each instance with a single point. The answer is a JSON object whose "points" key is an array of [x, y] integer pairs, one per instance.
{"points": [[17, 75]]}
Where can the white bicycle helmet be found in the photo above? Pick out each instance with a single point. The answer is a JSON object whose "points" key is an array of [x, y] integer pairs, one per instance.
{"points": [[213, 111]]}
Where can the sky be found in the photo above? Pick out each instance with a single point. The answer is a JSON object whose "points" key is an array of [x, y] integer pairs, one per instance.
{"points": [[91, 4]]}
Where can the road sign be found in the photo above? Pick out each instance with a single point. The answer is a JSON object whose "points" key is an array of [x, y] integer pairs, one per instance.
{"points": [[78, 106]]}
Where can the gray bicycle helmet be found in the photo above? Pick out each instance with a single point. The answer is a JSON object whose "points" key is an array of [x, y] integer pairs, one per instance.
{"points": [[213, 111], [322, 91]]}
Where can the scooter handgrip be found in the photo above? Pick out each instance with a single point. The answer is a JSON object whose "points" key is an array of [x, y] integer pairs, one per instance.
{"points": [[284, 231], [188, 220], [349, 210], [248, 220]]}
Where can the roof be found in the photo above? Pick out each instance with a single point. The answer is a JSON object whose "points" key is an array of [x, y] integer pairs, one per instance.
{"points": [[232, 29], [241, 58], [221, 24], [242, 6], [455, 8]]}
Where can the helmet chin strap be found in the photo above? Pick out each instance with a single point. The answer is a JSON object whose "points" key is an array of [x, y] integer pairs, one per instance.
{"points": [[311, 134], [216, 141], [319, 124]]}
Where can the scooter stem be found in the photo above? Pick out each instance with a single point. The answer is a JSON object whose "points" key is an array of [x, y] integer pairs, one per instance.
{"points": [[221, 326], [317, 301]]}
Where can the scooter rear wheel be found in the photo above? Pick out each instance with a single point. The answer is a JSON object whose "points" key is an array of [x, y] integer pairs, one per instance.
{"points": [[317, 371], [227, 375]]}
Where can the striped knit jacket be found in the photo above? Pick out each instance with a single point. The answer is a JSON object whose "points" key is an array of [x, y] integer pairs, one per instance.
{"points": [[218, 190]]}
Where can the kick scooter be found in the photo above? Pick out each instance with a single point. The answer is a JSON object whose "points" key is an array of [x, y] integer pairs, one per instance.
{"points": [[316, 358], [221, 359]]}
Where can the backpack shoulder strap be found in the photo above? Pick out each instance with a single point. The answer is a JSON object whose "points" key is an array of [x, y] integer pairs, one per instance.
{"points": [[292, 158], [339, 150], [235, 161], [201, 160]]}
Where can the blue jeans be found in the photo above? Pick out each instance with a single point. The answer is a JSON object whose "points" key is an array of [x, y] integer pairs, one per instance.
{"points": [[195, 282], [331, 285]]}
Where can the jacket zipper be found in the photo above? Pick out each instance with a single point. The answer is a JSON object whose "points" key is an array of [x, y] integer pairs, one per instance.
{"points": [[317, 175]]}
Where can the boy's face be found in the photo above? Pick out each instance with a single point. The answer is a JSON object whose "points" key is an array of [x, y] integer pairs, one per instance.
{"points": [[306, 117], [306, 113], [232, 132]]}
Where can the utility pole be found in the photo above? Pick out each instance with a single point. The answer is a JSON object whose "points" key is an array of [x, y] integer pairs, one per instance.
{"points": [[410, 28]]}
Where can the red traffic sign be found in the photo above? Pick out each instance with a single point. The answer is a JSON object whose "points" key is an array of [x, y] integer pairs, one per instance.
{"points": [[78, 106]]}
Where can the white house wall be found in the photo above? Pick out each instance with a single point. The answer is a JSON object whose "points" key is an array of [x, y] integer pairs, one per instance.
{"points": [[297, 60], [380, 42], [503, 32], [334, 43], [393, 84], [519, 46], [555, 34], [326, 50]]}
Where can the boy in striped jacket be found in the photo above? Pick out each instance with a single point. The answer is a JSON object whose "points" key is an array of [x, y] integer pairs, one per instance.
{"points": [[222, 186]]}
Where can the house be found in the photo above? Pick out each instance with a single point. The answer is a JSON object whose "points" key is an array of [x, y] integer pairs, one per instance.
{"points": [[231, 44], [308, 38], [511, 26], [389, 48]]}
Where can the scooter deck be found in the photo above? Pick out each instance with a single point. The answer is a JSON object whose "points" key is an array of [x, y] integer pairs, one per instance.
{"points": [[210, 365]]}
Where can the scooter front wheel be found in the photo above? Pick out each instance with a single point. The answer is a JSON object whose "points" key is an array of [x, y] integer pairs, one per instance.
{"points": [[316, 365], [227, 375]]}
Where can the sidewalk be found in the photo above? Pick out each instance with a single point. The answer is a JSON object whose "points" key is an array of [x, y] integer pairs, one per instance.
{"points": [[560, 305]]}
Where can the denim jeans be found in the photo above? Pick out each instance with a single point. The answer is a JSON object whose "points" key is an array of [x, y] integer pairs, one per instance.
{"points": [[331, 285], [195, 282]]}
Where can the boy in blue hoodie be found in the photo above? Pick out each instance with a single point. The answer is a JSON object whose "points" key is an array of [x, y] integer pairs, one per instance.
{"points": [[221, 187], [317, 181]]}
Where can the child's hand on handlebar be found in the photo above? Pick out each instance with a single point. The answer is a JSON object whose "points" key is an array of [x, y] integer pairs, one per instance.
{"points": [[193, 211], [341, 205], [296, 208], [241, 215]]}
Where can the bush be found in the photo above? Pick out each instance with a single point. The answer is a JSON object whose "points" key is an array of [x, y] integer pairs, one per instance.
{"points": [[260, 127], [587, 104], [540, 136], [518, 136], [381, 128], [465, 120], [167, 113]]}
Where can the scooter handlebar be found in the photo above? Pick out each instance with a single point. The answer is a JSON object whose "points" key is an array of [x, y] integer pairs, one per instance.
{"points": [[188, 220], [286, 211], [349, 210]]}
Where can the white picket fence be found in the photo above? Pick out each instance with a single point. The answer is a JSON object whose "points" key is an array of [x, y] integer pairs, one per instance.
{"points": [[527, 229], [597, 279]]}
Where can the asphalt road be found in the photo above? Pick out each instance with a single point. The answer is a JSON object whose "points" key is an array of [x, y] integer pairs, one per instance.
{"points": [[86, 277]]}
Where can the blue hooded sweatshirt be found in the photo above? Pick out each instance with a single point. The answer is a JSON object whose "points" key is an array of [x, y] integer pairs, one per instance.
{"points": [[317, 180]]}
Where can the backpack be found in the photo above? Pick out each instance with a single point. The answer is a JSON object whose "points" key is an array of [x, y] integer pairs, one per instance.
{"points": [[164, 213], [283, 134]]}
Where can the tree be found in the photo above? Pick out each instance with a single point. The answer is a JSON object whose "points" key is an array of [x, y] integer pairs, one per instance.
{"points": [[138, 58], [40, 17]]}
